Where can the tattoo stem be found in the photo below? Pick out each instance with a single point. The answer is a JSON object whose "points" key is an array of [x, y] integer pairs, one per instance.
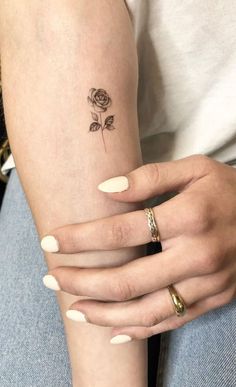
{"points": [[102, 131]]}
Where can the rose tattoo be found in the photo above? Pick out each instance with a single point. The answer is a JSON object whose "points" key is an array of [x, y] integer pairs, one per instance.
{"points": [[100, 101]]}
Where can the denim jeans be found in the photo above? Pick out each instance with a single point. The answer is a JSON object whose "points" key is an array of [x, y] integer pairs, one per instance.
{"points": [[33, 351]]}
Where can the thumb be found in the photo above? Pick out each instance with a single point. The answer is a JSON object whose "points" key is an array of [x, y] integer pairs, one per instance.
{"points": [[157, 178]]}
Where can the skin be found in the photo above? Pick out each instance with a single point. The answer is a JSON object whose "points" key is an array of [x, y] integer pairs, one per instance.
{"points": [[198, 234], [52, 54]]}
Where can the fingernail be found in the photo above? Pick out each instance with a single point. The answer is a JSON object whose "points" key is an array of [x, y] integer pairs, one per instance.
{"points": [[51, 282], [50, 244], [120, 339], [115, 184], [75, 315]]}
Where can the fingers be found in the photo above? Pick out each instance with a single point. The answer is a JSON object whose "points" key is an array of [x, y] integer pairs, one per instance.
{"points": [[103, 234], [174, 217], [194, 311], [129, 280], [157, 178], [139, 276], [149, 310], [118, 231]]}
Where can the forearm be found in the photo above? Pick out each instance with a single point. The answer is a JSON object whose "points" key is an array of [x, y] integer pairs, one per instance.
{"points": [[52, 55]]}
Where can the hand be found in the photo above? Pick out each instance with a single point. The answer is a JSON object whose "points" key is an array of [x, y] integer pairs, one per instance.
{"points": [[198, 235]]}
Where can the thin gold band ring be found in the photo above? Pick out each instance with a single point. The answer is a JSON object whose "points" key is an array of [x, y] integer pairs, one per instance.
{"points": [[152, 224]]}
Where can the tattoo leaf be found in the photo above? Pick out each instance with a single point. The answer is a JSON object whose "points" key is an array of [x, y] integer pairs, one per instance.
{"points": [[109, 127], [95, 116], [109, 120], [94, 126]]}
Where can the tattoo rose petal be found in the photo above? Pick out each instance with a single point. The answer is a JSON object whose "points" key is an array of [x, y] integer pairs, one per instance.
{"points": [[100, 100]]}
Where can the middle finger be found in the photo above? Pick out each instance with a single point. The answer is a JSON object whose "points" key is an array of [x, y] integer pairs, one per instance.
{"points": [[129, 280]]}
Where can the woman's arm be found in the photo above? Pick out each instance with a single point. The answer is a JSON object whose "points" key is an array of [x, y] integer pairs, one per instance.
{"points": [[52, 54]]}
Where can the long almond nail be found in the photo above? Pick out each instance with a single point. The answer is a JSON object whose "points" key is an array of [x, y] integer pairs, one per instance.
{"points": [[50, 282], [120, 339], [50, 244], [115, 184], [76, 315]]}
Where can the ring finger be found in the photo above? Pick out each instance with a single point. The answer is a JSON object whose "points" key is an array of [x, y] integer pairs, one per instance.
{"points": [[173, 322], [149, 309]]}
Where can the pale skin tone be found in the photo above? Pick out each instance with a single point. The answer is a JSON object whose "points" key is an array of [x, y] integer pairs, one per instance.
{"points": [[52, 54], [198, 233]]}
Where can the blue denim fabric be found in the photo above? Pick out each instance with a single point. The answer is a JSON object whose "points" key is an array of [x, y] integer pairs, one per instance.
{"points": [[202, 353], [33, 351]]}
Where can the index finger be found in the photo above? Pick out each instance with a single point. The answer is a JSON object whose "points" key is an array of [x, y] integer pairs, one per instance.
{"points": [[117, 231]]}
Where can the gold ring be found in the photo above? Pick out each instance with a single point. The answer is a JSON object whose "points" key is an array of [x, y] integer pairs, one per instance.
{"points": [[152, 224], [178, 302]]}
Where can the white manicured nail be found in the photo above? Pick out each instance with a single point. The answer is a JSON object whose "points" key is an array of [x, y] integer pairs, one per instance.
{"points": [[75, 315], [115, 184], [51, 282], [50, 244], [120, 339]]}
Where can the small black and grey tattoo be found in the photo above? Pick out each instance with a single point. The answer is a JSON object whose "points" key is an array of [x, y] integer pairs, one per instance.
{"points": [[100, 101]]}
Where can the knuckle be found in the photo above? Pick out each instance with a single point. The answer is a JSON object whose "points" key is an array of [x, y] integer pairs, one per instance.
{"points": [[122, 289], [198, 216], [210, 260], [151, 173], [199, 158], [203, 162], [118, 233], [150, 319]]}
